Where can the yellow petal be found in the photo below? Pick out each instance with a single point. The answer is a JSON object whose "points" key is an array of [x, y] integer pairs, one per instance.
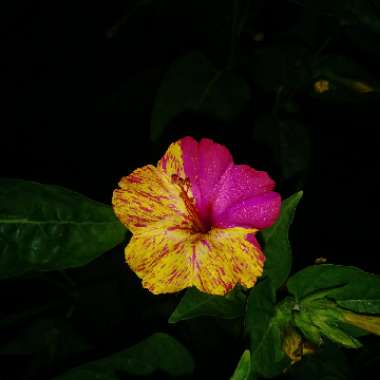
{"points": [[148, 196], [158, 257], [169, 259], [222, 258], [172, 162]]}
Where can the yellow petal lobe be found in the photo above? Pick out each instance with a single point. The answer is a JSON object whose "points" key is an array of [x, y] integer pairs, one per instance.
{"points": [[222, 258], [171, 162], [148, 196], [158, 257], [169, 258]]}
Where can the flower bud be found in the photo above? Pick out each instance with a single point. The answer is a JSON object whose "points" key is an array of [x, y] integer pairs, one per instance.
{"points": [[368, 323], [294, 346], [303, 322]]}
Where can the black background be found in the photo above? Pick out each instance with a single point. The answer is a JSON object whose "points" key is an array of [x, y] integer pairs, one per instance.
{"points": [[79, 83]]}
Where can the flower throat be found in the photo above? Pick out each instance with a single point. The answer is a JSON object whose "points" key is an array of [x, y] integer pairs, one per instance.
{"points": [[199, 226]]}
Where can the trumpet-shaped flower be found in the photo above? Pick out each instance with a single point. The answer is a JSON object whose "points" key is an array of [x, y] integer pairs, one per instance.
{"points": [[194, 218]]}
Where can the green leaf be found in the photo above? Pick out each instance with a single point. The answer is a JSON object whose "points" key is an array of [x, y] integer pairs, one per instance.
{"points": [[193, 83], [352, 330], [243, 369], [195, 304], [315, 323], [364, 13], [157, 352], [45, 227], [303, 322], [327, 319], [265, 323], [329, 327], [364, 39], [282, 66], [361, 23], [341, 283], [359, 20], [21, 317], [55, 337], [134, 95], [328, 296], [365, 306], [276, 243], [288, 142]]}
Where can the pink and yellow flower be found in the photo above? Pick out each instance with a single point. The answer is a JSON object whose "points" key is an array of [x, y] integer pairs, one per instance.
{"points": [[194, 218]]}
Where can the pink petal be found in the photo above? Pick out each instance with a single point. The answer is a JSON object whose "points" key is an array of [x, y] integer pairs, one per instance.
{"points": [[252, 239], [190, 157], [204, 164], [214, 159], [258, 212], [240, 182]]}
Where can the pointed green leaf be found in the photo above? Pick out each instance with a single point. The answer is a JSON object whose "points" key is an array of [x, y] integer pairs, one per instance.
{"points": [[283, 66], [303, 322], [341, 283], [363, 13], [45, 227], [158, 352], [276, 243], [324, 317], [264, 324], [365, 306], [353, 290], [55, 337], [193, 83], [329, 327], [195, 304], [288, 142], [243, 369]]}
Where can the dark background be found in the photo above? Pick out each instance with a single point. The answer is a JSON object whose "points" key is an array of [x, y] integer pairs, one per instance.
{"points": [[79, 82]]}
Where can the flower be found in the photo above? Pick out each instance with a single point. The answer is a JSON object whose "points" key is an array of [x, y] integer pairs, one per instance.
{"points": [[194, 219]]}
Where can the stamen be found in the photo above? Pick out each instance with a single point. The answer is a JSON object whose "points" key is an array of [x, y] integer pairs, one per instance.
{"points": [[185, 186]]}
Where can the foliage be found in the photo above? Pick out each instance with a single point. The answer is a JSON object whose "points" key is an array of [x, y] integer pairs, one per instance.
{"points": [[141, 359], [277, 246], [50, 228], [266, 77]]}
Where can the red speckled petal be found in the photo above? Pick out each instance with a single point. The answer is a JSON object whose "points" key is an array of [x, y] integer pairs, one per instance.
{"points": [[181, 160], [223, 258], [158, 257], [171, 162], [148, 196], [169, 260], [257, 212]]}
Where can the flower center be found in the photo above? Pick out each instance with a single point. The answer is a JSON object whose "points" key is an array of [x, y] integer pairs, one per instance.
{"points": [[199, 224]]}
